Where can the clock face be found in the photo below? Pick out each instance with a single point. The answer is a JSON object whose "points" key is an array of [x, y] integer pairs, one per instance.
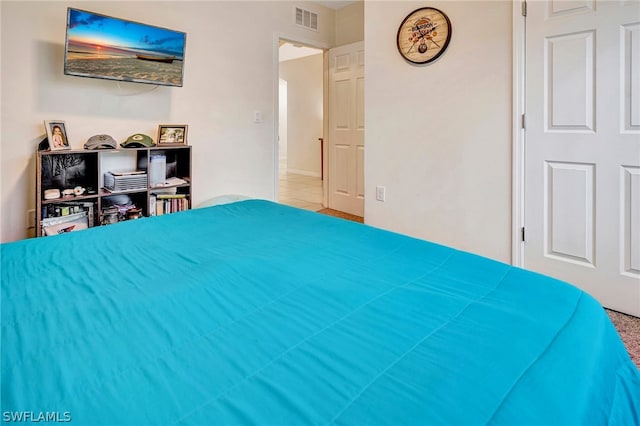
{"points": [[424, 35]]}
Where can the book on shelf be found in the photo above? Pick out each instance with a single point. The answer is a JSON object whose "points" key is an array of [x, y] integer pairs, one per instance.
{"points": [[152, 205], [164, 204], [170, 196]]}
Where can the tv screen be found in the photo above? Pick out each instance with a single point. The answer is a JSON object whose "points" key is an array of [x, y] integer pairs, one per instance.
{"points": [[102, 46]]}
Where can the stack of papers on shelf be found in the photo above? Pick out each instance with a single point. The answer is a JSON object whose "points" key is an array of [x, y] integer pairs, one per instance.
{"points": [[173, 181]]}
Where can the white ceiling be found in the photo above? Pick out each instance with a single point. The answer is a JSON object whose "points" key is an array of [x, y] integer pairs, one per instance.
{"points": [[289, 51]]}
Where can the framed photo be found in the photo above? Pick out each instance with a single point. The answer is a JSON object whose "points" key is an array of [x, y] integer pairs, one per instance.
{"points": [[56, 134], [172, 134]]}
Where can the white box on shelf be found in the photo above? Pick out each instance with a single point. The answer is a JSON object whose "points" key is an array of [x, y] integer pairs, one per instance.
{"points": [[157, 169]]}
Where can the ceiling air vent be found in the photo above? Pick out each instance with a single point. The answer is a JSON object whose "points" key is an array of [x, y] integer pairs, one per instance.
{"points": [[307, 19]]}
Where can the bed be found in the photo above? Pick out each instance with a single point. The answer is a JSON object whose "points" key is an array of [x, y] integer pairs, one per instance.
{"points": [[255, 313]]}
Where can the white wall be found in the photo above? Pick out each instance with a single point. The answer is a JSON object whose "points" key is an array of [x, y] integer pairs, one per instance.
{"points": [[350, 24], [438, 137], [282, 121], [229, 74], [305, 116]]}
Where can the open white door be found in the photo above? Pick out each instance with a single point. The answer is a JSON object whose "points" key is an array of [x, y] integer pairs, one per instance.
{"points": [[346, 129], [582, 147]]}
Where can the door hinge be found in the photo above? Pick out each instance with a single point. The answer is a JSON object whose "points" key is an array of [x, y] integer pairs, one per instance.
{"points": [[522, 234], [522, 121], [524, 8]]}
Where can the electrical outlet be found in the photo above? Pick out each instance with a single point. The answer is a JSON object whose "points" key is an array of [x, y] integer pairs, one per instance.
{"points": [[380, 193], [31, 218]]}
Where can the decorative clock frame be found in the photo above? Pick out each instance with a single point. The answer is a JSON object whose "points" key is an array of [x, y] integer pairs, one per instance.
{"points": [[424, 35]]}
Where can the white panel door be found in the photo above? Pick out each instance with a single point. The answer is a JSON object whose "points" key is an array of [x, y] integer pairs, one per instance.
{"points": [[582, 146], [346, 129]]}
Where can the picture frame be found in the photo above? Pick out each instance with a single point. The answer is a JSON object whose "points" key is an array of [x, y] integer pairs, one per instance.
{"points": [[172, 134], [57, 135]]}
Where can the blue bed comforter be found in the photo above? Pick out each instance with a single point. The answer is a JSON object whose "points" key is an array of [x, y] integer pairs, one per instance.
{"points": [[257, 313]]}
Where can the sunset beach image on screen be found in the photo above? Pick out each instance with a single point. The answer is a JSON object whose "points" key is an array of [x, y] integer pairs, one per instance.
{"points": [[101, 46]]}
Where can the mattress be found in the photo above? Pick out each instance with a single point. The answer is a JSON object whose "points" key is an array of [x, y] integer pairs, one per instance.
{"points": [[258, 313]]}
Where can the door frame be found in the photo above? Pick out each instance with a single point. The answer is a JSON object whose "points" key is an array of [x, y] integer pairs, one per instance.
{"points": [[276, 105], [518, 123]]}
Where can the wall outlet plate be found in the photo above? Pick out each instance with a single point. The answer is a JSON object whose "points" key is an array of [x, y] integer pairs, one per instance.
{"points": [[31, 218]]}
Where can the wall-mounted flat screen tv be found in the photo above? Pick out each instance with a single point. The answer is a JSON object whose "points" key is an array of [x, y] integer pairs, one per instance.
{"points": [[102, 46]]}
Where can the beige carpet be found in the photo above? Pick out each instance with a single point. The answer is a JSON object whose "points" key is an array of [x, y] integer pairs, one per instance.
{"points": [[629, 329]]}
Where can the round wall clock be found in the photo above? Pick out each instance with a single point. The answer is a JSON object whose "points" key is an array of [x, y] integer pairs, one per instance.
{"points": [[424, 35]]}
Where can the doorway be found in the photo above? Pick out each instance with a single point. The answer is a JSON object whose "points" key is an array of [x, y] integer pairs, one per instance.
{"points": [[300, 125]]}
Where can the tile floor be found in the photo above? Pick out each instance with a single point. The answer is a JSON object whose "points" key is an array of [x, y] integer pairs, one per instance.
{"points": [[300, 191]]}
